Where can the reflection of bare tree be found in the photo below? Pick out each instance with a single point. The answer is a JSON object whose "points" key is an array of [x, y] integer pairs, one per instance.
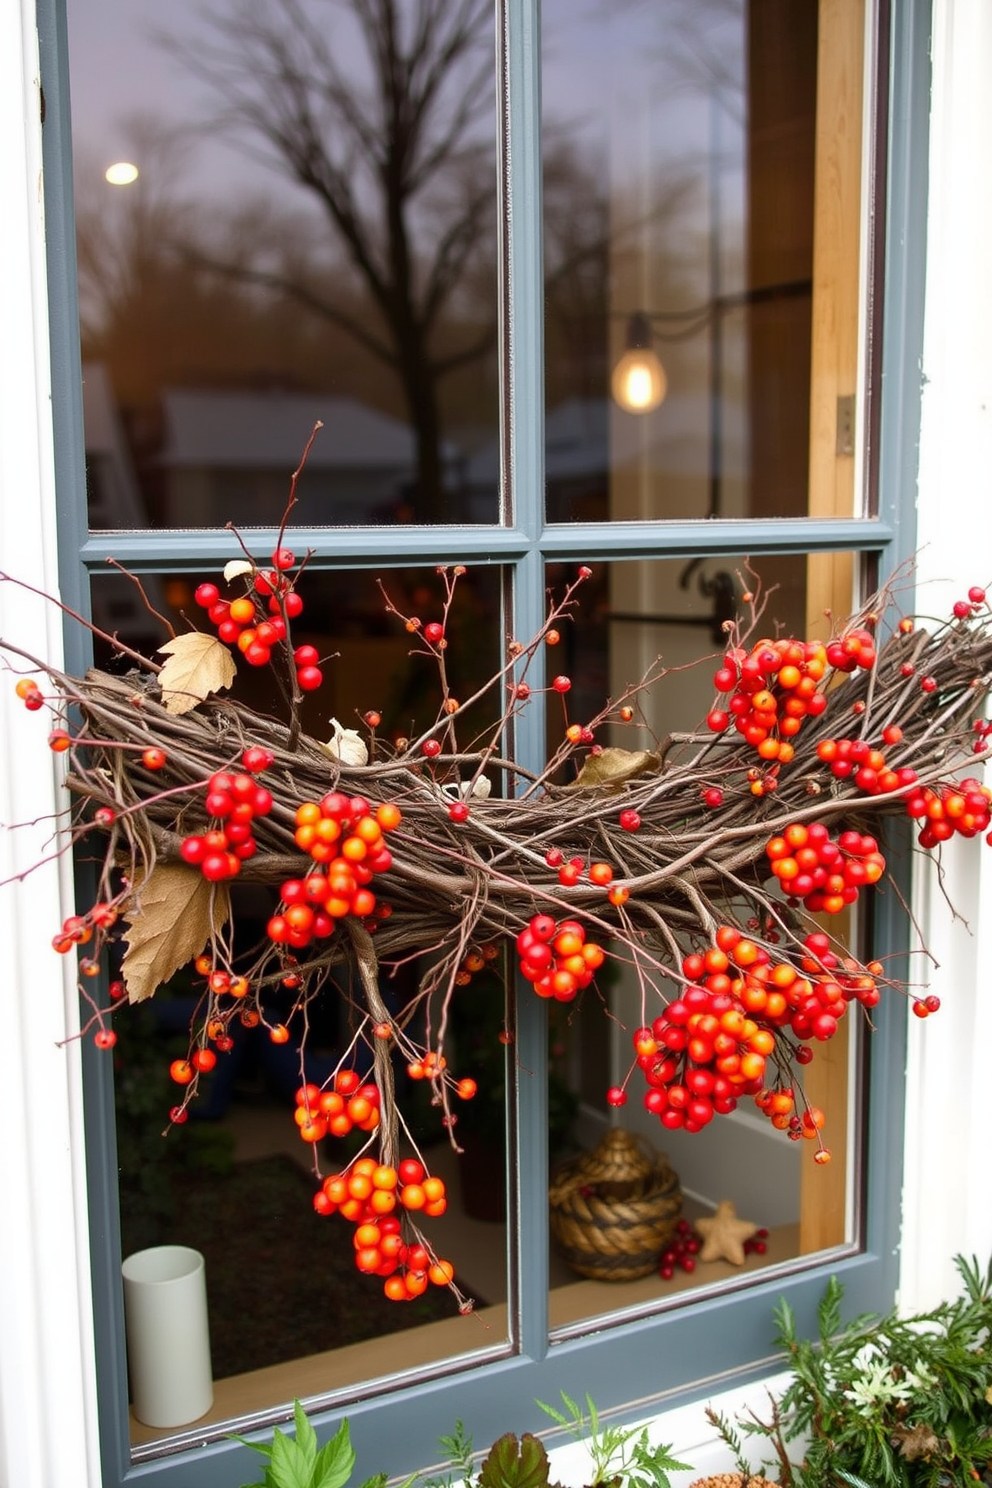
{"points": [[382, 129]]}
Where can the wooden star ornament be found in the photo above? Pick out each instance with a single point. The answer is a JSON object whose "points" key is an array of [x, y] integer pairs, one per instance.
{"points": [[724, 1235]]}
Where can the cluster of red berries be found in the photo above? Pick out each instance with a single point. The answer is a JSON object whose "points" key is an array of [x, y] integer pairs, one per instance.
{"points": [[681, 1251], [824, 874], [853, 650], [769, 719], [257, 622], [964, 609], [556, 958], [345, 837], [367, 1193], [711, 1045], [943, 810], [233, 802], [705, 1050], [78, 929], [335, 1112], [855, 759], [572, 870]]}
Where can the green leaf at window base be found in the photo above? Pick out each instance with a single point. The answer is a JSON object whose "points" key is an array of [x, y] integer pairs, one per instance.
{"points": [[297, 1463]]}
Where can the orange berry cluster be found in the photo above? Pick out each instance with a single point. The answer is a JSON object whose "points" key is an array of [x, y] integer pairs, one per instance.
{"points": [[769, 719], [711, 1044], [475, 958], [337, 1111], [556, 958], [345, 837], [824, 874], [944, 810], [779, 1105], [432, 1066], [367, 1193], [706, 1049], [855, 759], [233, 802]]}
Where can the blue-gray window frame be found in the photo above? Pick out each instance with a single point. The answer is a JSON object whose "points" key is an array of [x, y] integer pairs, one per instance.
{"points": [[715, 1341]]}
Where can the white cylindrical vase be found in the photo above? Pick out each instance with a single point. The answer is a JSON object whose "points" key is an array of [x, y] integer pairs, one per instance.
{"points": [[168, 1335]]}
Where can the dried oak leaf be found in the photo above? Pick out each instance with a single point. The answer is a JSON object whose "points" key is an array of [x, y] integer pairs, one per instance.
{"points": [[614, 767], [198, 665], [170, 917]]}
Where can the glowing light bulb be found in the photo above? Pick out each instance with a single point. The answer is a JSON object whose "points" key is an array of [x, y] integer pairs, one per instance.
{"points": [[639, 383], [121, 173]]}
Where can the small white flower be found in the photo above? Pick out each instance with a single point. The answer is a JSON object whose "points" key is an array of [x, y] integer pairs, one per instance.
{"points": [[347, 745]]}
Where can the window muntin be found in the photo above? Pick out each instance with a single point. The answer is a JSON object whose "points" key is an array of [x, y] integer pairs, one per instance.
{"points": [[626, 1361]]}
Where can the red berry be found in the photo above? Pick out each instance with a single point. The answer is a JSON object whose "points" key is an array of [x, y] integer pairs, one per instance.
{"points": [[585, 572], [962, 609], [615, 1096], [104, 816], [292, 602], [630, 820], [283, 558], [309, 678], [206, 595], [434, 632], [554, 857], [976, 594], [153, 759], [562, 684], [717, 721], [431, 747], [306, 656], [105, 1038], [713, 796], [256, 759], [458, 811]]}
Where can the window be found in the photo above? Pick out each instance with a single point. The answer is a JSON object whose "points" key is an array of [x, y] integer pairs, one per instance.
{"points": [[641, 496]]}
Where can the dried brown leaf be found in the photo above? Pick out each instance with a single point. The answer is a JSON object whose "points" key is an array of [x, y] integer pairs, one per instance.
{"points": [[614, 767], [198, 665], [170, 917]]}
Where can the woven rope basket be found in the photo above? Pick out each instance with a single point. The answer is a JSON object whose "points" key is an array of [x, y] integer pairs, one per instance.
{"points": [[733, 1480], [613, 1210]]}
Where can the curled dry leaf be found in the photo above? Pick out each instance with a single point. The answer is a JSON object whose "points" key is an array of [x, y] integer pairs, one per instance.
{"points": [[236, 568], [614, 767], [170, 917], [346, 745], [198, 665]]}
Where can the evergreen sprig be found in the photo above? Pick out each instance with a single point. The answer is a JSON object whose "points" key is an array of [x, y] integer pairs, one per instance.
{"points": [[885, 1401]]}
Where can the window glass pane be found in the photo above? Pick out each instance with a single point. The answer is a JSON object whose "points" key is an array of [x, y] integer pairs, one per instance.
{"points": [[286, 212], [289, 1313], [702, 223], [665, 619]]}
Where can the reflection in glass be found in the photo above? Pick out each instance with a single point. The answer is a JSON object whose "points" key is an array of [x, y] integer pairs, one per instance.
{"points": [[289, 1314], [635, 616], [683, 154], [309, 235]]}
